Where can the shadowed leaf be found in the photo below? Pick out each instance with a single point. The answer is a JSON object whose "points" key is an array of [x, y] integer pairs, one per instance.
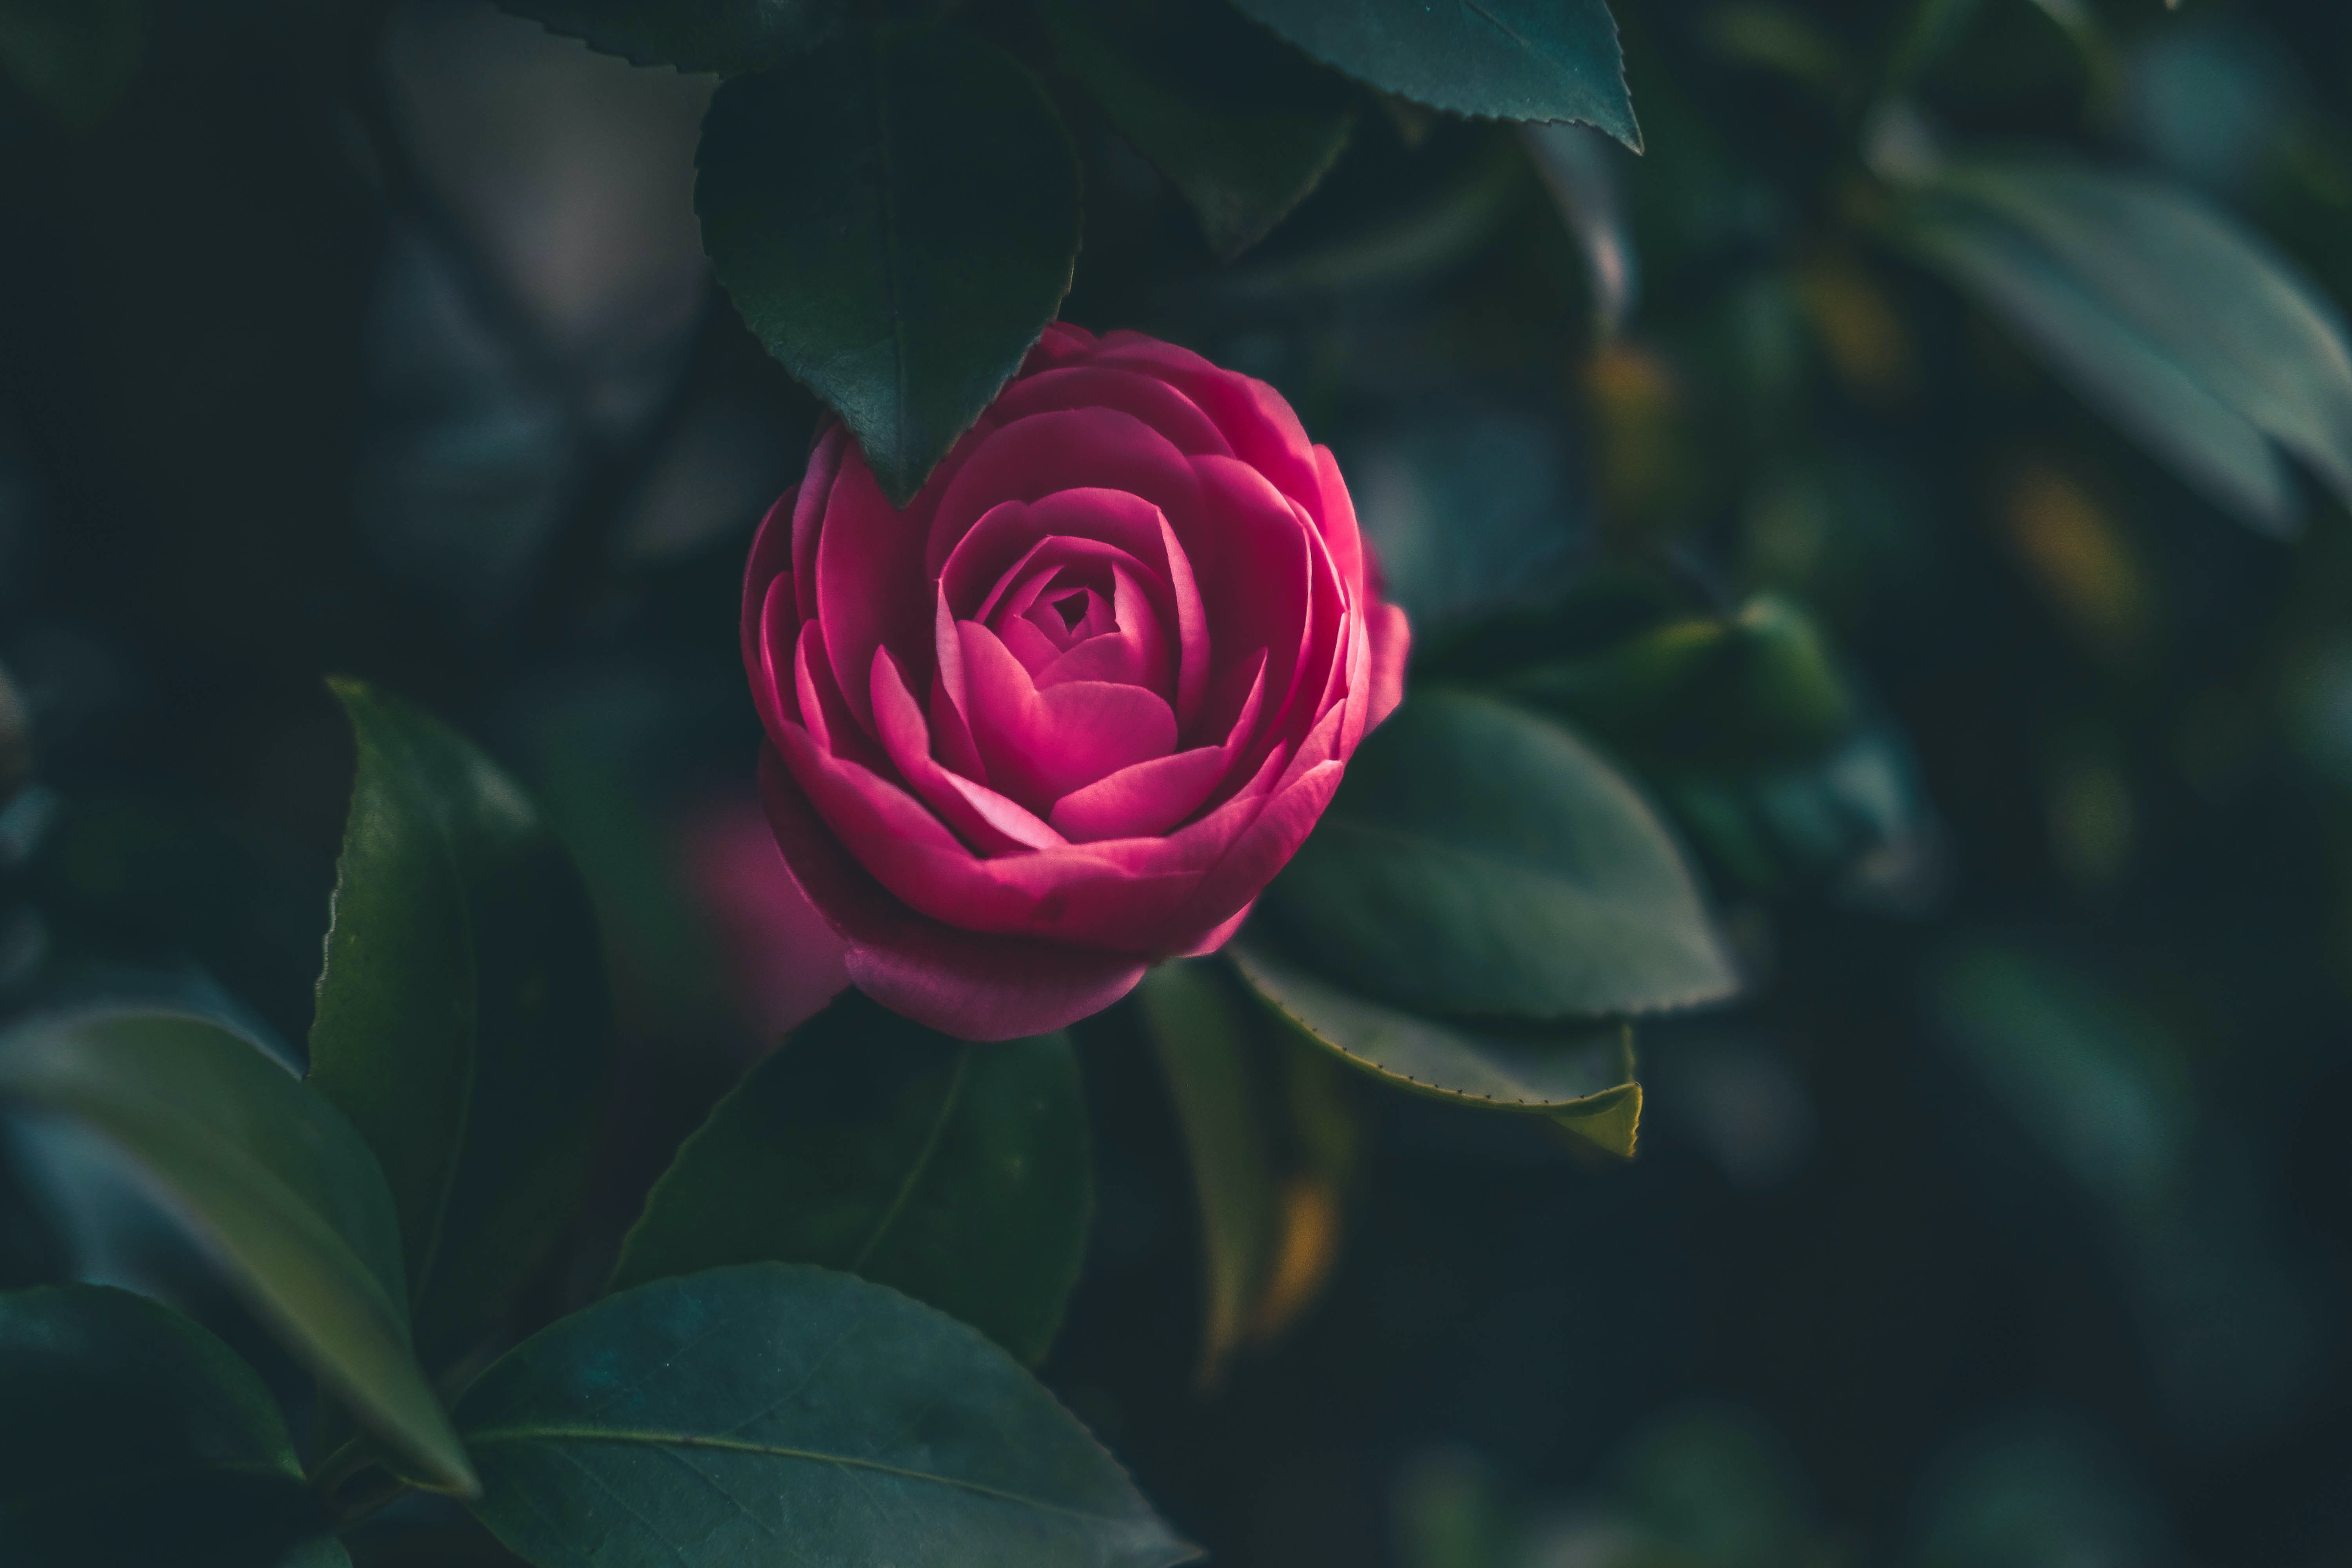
{"points": [[273, 1178], [462, 1015], [775, 1411], [957, 1174], [897, 221]]}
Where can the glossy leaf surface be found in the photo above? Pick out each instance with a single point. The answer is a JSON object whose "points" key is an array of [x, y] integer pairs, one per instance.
{"points": [[724, 36], [1584, 1081], [461, 1020], [957, 1174], [132, 1435], [276, 1181], [1242, 126], [2188, 331], [896, 223], [1482, 862], [778, 1413], [1508, 60]]}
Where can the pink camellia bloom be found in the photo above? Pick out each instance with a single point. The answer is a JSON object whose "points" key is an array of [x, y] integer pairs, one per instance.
{"points": [[1068, 711]]}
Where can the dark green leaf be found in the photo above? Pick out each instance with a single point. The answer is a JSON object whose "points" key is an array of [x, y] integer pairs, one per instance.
{"points": [[461, 1021], [957, 1174], [2186, 330], [1203, 1039], [1853, 815], [1482, 862], [275, 1178], [133, 1436], [778, 1413], [1746, 724], [724, 36], [1584, 1081], [896, 223], [1242, 126], [1509, 59]]}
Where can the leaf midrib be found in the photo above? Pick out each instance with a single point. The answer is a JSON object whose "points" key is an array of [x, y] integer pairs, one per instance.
{"points": [[655, 1439], [429, 1255]]}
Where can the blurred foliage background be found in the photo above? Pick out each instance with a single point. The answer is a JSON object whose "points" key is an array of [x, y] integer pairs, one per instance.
{"points": [[1810, 461]]}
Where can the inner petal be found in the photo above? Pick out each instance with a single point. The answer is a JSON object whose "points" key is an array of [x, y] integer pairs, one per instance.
{"points": [[1133, 648], [1039, 745]]}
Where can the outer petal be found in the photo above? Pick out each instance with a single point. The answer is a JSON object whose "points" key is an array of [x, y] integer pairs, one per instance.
{"points": [[1264, 431], [771, 554], [1391, 637], [871, 589], [773, 635], [1113, 895], [1062, 342], [1150, 399], [1079, 449], [1335, 516], [808, 513], [1264, 848], [1219, 936], [973, 986]]}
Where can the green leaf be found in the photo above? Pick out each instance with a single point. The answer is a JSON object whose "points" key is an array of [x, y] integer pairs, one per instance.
{"points": [[1583, 1081], [462, 1016], [275, 1178], [724, 36], [778, 1413], [959, 1174], [1505, 60], [2186, 330], [897, 221], [1242, 126], [1203, 1041], [1482, 862], [133, 1436], [1747, 725]]}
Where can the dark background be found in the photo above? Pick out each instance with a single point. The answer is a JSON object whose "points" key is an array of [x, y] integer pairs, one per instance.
{"points": [[2005, 1225]]}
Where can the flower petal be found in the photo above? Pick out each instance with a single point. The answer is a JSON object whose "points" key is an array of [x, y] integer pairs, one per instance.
{"points": [[771, 555], [973, 987], [1142, 798], [1391, 635], [1191, 629], [1254, 419], [986, 819], [1257, 853], [870, 586], [1091, 449], [1134, 651], [1039, 745], [808, 513], [950, 733], [1150, 398], [776, 631]]}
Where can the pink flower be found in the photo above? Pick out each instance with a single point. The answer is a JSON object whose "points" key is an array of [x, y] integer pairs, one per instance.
{"points": [[1070, 710]]}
